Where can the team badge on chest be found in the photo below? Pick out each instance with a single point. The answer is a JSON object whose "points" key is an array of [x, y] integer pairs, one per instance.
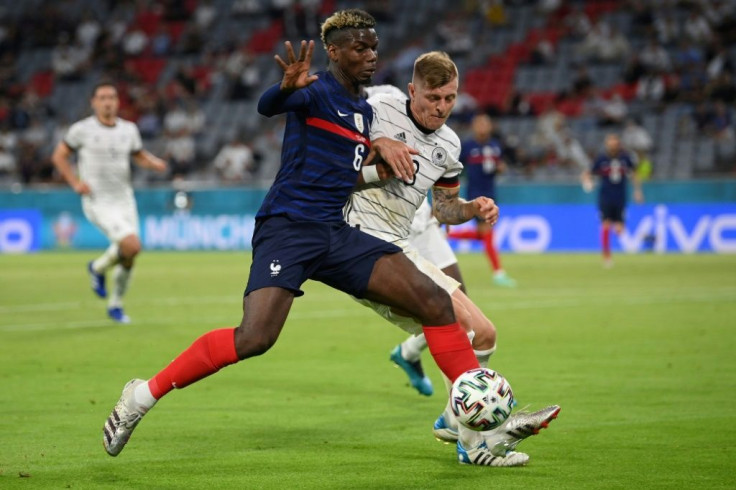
{"points": [[358, 121], [439, 156]]}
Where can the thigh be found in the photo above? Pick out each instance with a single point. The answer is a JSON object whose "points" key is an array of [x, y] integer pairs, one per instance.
{"points": [[351, 259], [285, 254], [115, 222], [432, 245]]}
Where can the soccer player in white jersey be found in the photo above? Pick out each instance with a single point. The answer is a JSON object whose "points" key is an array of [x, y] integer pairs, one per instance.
{"points": [[104, 144], [385, 207]]}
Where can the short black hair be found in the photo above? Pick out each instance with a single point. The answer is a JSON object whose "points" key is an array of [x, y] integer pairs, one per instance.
{"points": [[100, 85]]}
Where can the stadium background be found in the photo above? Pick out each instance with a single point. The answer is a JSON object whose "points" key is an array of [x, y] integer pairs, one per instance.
{"points": [[556, 76]]}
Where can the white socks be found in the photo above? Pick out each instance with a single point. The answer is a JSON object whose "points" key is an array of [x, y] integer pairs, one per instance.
{"points": [[143, 396], [120, 278], [108, 258], [411, 348], [484, 355]]}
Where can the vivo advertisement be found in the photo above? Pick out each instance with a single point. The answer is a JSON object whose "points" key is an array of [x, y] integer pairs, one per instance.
{"points": [[680, 228]]}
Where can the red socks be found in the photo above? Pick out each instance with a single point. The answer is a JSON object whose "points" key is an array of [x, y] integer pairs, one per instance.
{"points": [[464, 235], [606, 241], [207, 355], [491, 251], [451, 349], [487, 239]]}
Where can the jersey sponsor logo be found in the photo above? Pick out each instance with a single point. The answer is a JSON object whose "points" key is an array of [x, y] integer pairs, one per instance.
{"points": [[439, 155], [275, 268]]}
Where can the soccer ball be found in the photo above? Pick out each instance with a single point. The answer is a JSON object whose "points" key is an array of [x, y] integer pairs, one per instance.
{"points": [[481, 399]]}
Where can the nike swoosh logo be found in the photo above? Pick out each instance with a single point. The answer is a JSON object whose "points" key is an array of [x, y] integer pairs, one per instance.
{"points": [[341, 114]]}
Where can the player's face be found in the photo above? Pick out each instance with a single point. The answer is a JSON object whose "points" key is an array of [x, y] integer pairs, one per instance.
{"points": [[613, 144], [356, 55], [105, 102], [482, 127], [432, 106]]}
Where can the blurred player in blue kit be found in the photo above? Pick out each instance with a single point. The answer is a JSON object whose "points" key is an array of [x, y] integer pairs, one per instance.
{"points": [[482, 157], [613, 168]]}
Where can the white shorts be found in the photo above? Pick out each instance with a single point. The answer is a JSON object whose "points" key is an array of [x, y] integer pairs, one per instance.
{"points": [[432, 245], [408, 324], [114, 221]]}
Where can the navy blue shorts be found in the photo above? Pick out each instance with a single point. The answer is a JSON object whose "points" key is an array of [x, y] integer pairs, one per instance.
{"points": [[286, 253], [611, 212]]}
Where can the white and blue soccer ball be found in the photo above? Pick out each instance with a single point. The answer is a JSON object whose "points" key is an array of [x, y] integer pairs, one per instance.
{"points": [[481, 399]]}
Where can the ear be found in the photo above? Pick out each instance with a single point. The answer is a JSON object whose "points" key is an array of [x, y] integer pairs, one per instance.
{"points": [[332, 52], [411, 89]]}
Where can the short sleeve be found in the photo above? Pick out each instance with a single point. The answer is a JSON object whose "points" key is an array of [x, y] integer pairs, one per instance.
{"points": [[136, 144], [73, 137]]}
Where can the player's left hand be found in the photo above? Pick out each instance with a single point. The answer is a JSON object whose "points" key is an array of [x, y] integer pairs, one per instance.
{"points": [[158, 165], [638, 196], [486, 209]]}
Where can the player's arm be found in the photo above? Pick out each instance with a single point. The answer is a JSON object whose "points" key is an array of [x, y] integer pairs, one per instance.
{"points": [[638, 194], [146, 159], [60, 159], [449, 208], [374, 172], [285, 96], [394, 153]]}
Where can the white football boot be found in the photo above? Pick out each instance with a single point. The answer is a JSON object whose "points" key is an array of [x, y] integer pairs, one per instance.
{"points": [[482, 456], [504, 439], [123, 419]]}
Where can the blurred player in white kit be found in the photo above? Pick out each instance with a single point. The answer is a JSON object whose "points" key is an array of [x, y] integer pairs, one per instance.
{"points": [[104, 144]]}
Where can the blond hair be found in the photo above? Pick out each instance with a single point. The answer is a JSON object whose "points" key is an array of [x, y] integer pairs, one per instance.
{"points": [[345, 19], [434, 69]]}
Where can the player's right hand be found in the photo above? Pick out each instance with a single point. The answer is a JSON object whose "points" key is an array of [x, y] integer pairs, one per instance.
{"points": [[81, 188], [398, 156], [296, 71]]}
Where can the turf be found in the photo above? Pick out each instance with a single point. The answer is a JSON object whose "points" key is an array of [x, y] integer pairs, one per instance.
{"points": [[640, 357]]}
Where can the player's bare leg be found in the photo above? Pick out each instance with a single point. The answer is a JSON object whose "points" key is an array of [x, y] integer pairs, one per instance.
{"points": [[398, 283], [128, 248], [264, 314]]}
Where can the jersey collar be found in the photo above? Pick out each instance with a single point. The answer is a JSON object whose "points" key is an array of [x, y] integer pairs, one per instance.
{"points": [[416, 123]]}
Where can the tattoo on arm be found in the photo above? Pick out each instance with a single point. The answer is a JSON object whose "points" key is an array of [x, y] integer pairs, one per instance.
{"points": [[449, 207]]}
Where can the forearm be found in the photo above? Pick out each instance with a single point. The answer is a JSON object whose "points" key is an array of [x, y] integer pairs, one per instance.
{"points": [[451, 210], [276, 101], [65, 169]]}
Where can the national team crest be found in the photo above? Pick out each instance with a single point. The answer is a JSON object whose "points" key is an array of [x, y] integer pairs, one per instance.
{"points": [[358, 121], [439, 155]]}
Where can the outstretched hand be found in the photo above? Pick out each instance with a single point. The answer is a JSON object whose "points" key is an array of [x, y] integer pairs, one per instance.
{"points": [[296, 71]]}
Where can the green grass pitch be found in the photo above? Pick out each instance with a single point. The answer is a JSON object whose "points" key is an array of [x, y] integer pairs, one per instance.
{"points": [[641, 357]]}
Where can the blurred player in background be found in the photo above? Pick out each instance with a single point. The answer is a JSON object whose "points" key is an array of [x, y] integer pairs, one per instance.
{"points": [[104, 144], [481, 156], [300, 233], [613, 167], [385, 207]]}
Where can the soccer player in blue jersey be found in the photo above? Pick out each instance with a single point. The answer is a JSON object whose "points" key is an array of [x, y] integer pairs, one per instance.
{"points": [[300, 233], [613, 167], [481, 156]]}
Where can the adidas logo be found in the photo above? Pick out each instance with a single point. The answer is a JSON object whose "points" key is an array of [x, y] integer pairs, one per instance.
{"points": [[401, 137]]}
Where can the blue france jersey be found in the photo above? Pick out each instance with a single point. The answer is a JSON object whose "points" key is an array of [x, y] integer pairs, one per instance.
{"points": [[613, 173], [325, 142], [481, 166]]}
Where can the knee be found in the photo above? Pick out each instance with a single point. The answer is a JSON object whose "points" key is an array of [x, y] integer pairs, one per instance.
{"points": [[485, 335], [129, 248], [437, 305], [250, 342]]}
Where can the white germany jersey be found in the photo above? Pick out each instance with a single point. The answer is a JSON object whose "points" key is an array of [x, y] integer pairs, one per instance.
{"points": [[103, 157], [386, 209]]}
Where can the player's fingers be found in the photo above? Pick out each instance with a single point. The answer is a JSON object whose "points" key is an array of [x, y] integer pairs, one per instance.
{"points": [[371, 155], [290, 52], [310, 51], [302, 50], [280, 62]]}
